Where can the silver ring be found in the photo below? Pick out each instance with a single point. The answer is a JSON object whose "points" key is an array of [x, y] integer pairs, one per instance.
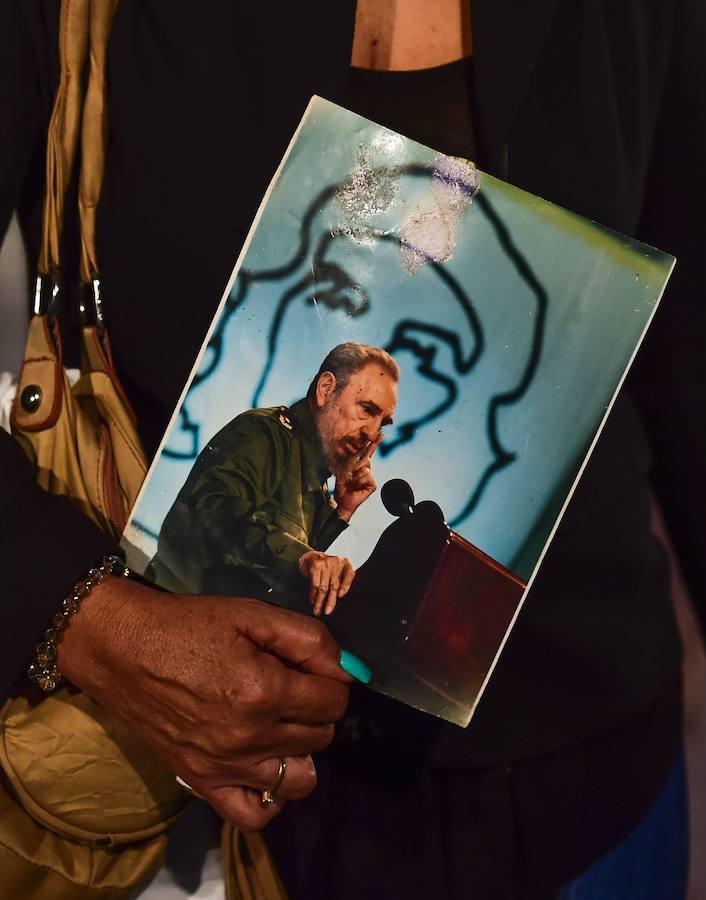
{"points": [[268, 796]]}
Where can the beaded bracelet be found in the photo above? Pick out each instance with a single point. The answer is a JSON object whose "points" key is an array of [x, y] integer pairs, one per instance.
{"points": [[43, 670]]}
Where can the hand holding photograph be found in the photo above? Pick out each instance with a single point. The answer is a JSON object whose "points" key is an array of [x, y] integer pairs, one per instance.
{"points": [[398, 325]]}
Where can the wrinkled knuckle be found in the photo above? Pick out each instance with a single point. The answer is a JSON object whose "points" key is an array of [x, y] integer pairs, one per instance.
{"points": [[258, 696], [320, 640], [318, 636]]}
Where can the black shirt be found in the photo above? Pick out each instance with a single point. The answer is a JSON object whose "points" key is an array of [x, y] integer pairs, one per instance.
{"points": [[432, 106]]}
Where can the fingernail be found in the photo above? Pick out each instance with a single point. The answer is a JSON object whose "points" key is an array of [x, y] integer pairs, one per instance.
{"points": [[187, 787], [355, 667]]}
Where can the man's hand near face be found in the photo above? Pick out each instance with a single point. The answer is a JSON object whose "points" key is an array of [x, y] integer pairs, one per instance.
{"points": [[330, 577], [355, 481]]}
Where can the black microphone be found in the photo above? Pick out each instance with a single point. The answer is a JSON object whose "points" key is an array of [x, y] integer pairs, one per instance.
{"points": [[397, 497]]}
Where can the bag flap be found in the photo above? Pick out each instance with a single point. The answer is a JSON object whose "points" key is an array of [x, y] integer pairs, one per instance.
{"points": [[38, 400], [92, 780], [36, 863]]}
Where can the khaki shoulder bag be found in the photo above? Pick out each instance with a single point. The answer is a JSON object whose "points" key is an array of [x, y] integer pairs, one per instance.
{"points": [[82, 439], [84, 806]]}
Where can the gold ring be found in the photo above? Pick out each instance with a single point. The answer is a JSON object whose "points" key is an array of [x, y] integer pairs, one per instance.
{"points": [[268, 796]]}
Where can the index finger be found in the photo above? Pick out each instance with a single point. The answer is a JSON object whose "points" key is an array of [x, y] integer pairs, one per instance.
{"points": [[372, 447], [293, 637], [312, 700]]}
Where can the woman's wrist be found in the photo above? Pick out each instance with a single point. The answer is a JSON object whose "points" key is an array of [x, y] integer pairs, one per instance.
{"points": [[45, 669]]}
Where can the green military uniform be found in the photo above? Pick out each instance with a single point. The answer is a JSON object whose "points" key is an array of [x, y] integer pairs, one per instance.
{"points": [[255, 500]]}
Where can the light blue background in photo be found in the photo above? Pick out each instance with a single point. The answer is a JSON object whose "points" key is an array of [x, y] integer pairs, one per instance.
{"points": [[601, 290]]}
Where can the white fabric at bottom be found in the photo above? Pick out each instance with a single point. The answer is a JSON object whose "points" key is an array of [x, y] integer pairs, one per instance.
{"points": [[8, 389], [211, 885], [193, 867]]}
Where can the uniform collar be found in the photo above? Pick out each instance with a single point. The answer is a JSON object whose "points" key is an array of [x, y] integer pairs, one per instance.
{"points": [[315, 471]]}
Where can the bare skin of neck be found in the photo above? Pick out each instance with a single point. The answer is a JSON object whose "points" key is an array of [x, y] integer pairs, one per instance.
{"points": [[410, 34]]}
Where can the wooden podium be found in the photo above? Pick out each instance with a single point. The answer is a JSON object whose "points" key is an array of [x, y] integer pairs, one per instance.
{"points": [[427, 611]]}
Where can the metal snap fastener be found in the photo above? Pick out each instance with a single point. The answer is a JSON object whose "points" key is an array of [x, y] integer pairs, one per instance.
{"points": [[31, 397]]}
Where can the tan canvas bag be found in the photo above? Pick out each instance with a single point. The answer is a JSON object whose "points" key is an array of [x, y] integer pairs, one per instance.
{"points": [[83, 440], [84, 806]]}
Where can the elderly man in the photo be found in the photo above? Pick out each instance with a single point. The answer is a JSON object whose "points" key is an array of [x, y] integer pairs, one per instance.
{"points": [[256, 513]]}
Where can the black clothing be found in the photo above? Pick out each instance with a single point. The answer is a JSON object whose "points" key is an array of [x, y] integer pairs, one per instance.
{"points": [[385, 824], [594, 105], [432, 106]]}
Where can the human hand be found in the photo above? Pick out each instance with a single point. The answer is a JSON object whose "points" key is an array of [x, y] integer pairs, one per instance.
{"points": [[330, 577], [221, 688], [355, 481]]}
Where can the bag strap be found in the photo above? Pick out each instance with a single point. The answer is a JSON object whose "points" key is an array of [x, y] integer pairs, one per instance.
{"points": [[250, 873], [84, 29], [94, 135], [64, 127]]}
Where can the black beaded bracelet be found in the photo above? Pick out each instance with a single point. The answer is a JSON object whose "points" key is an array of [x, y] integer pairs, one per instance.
{"points": [[43, 670]]}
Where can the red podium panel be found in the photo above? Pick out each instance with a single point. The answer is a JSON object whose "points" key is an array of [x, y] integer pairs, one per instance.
{"points": [[461, 620], [427, 612]]}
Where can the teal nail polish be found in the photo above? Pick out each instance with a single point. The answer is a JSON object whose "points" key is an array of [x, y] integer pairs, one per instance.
{"points": [[355, 667]]}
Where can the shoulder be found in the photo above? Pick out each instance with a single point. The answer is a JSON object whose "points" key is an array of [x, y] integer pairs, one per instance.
{"points": [[270, 414], [270, 425], [272, 418]]}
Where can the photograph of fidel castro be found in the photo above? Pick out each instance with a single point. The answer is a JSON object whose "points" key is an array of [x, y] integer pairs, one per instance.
{"points": [[256, 513]]}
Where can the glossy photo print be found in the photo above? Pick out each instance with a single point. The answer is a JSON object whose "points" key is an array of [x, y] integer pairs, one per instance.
{"points": [[406, 374]]}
